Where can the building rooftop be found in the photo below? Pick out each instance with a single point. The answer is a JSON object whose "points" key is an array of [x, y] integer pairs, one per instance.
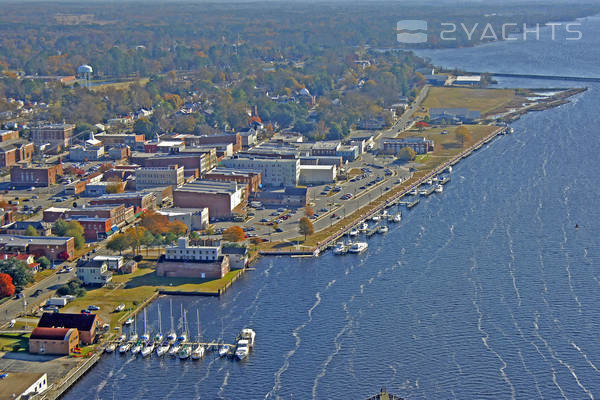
{"points": [[81, 322], [232, 171], [179, 211], [24, 241], [208, 186], [49, 333], [15, 383]]}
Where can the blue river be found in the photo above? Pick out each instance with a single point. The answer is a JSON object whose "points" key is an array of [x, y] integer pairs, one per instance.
{"points": [[487, 290]]}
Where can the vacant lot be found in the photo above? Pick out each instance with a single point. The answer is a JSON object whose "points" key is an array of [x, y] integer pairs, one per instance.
{"points": [[486, 101]]}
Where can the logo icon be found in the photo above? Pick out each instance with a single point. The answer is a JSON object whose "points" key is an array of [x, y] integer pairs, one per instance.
{"points": [[412, 26]]}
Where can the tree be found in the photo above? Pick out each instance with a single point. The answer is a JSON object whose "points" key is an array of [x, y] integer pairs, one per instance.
{"points": [[234, 234], [155, 222], [178, 228], [43, 261], [406, 154], [114, 187], [209, 229], [309, 211], [134, 238], [70, 228], [7, 288], [147, 239], [73, 288], [31, 231], [118, 242], [306, 227], [18, 270], [463, 134]]}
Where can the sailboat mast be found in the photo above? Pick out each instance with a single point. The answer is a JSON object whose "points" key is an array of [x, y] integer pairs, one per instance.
{"points": [[159, 320], [171, 306], [198, 319]]}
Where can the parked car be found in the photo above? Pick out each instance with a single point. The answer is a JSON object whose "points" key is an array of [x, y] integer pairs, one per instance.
{"points": [[37, 292], [363, 187], [278, 229], [85, 311], [323, 209], [93, 308], [264, 220]]}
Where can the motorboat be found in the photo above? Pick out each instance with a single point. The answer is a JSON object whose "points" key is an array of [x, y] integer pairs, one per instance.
{"points": [[120, 307], [198, 352], [354, 232], [358, 247], [439, 189], [242, 350], [375, 218], [110, 348], [384, 213], [382, 229], [415, 192], [429, 182], [129, 321], [397, 217], [163, 348], [249, 335], [122, 338], [340, 248], [148, 349], [364, 227], [124, 348], [224, 350]]}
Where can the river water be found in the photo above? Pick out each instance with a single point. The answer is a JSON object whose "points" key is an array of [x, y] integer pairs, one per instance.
{"points": [[485, 291]]}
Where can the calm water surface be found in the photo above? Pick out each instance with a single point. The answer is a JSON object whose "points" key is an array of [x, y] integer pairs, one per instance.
{"points": [[484, 291]]}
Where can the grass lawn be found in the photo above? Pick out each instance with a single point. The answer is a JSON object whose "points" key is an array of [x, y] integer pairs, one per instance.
{"points": [[484, 100], [40, 276], [133, 289], [14, 341]]}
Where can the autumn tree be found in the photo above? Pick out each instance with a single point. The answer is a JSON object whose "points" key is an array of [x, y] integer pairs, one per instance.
{"points": [[309, 211], [178, 228], [306, 227], [234, 234], [463, 135], [406, 154], [147, 240], [7, 288], [156, 223], [114, 187]]}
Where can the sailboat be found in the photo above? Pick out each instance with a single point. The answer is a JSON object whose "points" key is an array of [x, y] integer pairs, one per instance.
{"points": [[159, 337], [183, 336], [224, 350], [134, 336], [172, 336], [145, 336], [198, 352], [137, 347], [148, 349], [124, 348], [185, 351]]}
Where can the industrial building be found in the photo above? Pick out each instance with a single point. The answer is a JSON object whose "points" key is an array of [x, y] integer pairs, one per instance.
{"points": [[221, 198]]}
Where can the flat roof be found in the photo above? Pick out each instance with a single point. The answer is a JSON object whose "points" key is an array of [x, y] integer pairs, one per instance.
{"points": [[318, 167], [232, 171], [208, 186], [57, 209], [18, 240], [18, 382]]}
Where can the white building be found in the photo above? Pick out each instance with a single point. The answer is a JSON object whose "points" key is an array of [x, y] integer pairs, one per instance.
{"points": [[193, 218], [183, 251], [93, 272], [317, 174], [114, 263], [149, 177], [274, 172], [23, 385]]}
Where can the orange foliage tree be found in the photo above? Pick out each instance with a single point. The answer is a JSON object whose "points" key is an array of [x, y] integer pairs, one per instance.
{"points": [[155, 222], [234, 234], [7, 288]]}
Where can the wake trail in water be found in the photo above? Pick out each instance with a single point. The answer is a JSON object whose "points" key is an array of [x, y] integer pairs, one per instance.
{"points": [[511, 265]]}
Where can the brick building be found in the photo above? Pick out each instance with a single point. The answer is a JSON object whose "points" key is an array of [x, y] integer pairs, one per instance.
{"points": [[192, 261], [219, 197], [118, 213], [6, 136], [15, 151], [138, 200], [244, 177], [95, 228], [54, 248], [234, 138], [420, 145], [53, 340], [149, 177], [85, 324], [56, 135], [34, 176]]}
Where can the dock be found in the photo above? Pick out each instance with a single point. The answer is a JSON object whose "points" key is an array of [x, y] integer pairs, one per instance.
{"points": [[427, 192]]}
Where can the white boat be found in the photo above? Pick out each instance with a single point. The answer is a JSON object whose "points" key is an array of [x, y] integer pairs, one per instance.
{"points": [[364, 227], [415, 192], [397, 217], [129, 321], [435, 179], [198, 352], [174, 349], [145, 336], [162, 349], [124, 348], [439, 189], [382, 229], [242, 350], [249, 335], [185, 352], [159, 337], [224, 350], [450, 168], [429, 182], [148, 349], [120, 307], [340, 248], [384, 213], [354, 232], [375, 218], [122, 338], [136, 348], [133, 337], [110, 348], [172, 336], [358, 247]]}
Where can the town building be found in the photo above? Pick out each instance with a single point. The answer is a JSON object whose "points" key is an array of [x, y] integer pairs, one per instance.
{"points": [[238, 256], [225, 138], [86, 324], [420, 145], [139, 201], [22, 385], [7, 216], [8, 135], [193, 261], [28, 259], [114, 263], [15, 151], [242, 176], [149, 177], [193, 218], [95, 228], [325, 148], [221, 198], [53, 340], [118, 213], [93, 272], [364, 143], [317, 174], [348, 153], [249, 138], [274, 172], [97, 189], [468, 80], [55, 135], [20, 227], [371, 123], [38, 176], [54, 248], [119, 152], [201, 160], [134, 140], [437, 79], [82, 153], [296, 197]]}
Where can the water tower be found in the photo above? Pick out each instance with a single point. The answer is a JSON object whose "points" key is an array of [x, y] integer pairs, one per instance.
{"points": [[84, 72]]}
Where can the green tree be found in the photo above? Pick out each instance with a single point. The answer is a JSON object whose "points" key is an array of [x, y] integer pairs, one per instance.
{"points": [[463, 135], [43, 261], [406, 154], [18, 270], [118, 242], [306, 227], [147, 239], [145, 127], [31, 231]]}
